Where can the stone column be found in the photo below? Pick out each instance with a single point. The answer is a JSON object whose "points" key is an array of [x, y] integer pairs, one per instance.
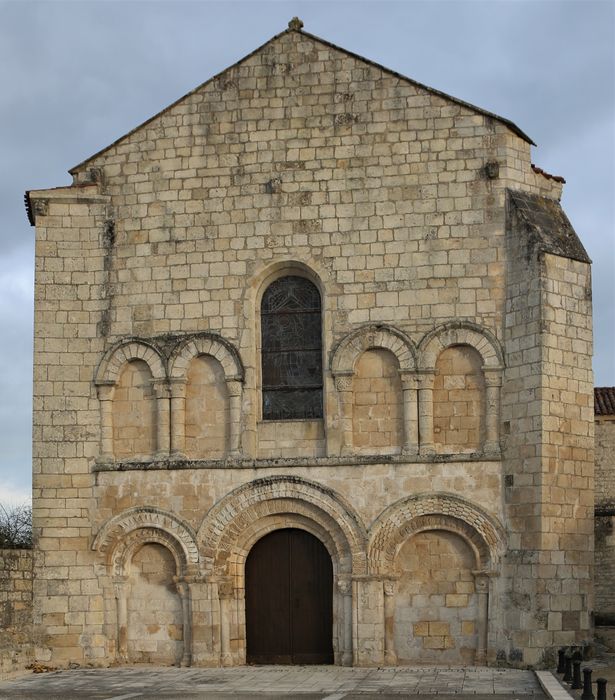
{"points": [[481, 584], [390, 656], [120, 584], [105, 396], [426, 380], [234, 387], [225, 593], [409, 385], [345, 588], [343, 384], [184, 593], [163, 430], [493, 382], [178, 418]]}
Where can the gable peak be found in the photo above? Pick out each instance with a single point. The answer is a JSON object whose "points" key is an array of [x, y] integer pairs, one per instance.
{"points": [[295, 24]]}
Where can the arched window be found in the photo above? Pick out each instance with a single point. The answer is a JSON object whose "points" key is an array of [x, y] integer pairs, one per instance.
{"points": [[291, 350]]}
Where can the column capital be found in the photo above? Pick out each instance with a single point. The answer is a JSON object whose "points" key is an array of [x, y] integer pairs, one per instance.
{"points": [[161, 388], [425, 378], [343, 380], [389, 587], [234, 386], [493, 376], [409, 379], [344, 586], [105, 390]]}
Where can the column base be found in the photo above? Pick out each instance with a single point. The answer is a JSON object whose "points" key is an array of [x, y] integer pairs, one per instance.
{"points": [[390, 658]]}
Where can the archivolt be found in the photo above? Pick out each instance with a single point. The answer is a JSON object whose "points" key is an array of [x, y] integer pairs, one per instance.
{"points": [[110, 366], [460, 333], [206, 344], [348, 350], [124, 531], [234, 524], [439, 511]]}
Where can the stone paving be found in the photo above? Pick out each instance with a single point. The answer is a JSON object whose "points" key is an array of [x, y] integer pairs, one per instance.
{"points": [[326, 682]]}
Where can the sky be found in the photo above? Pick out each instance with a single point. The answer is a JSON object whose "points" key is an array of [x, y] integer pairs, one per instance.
{"points": [[75, 76]]}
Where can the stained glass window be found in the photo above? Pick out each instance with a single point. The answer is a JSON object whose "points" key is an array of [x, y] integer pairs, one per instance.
{"points": [[291, 350]]}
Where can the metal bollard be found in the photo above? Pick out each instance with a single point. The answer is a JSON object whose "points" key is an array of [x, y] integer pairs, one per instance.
{"points": [[601, 686], [561, 660], [567, 669], [587, 685], [576, 675]]}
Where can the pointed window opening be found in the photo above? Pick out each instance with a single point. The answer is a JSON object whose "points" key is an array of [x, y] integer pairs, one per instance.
{"points": [[291, 349]]}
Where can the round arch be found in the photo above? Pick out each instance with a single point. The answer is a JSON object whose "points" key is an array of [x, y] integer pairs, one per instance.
{"points": [[460, 333], [110, 367], [122, 534], [206, 344], [346, 353], [233, 525], [440, 511]]}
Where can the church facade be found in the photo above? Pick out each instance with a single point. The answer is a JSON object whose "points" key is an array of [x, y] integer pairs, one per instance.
{"points": [[312, 382]]}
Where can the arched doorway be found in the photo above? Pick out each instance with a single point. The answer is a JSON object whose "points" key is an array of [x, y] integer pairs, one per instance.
{"points": [[289, 600]]}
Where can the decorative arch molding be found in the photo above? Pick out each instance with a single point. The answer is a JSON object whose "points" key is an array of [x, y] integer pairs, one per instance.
{"points": [[232, 525], [110, 367], [346, 353], [268, 272], [125, 531], [206, 344], [438, 511], [460, 333]]}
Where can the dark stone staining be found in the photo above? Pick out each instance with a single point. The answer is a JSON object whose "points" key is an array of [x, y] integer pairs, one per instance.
{"points": [[290, 165], [107, 241], [225, 82], [94, 176], [346, 119], [307, 226], [544, 226], [274, 186], [300, 199], [492, 170]]}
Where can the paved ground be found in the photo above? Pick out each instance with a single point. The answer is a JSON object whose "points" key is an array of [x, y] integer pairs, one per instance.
{"points": [[304, 682]]}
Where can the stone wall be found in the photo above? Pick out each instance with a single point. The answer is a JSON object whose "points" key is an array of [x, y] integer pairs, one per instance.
{"points": [[16, 650], [396, 203], [605, 520]]}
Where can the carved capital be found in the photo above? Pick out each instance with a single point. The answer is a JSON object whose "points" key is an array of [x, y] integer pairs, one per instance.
{"points": [[161, 388], [177, 387], [493, 377], [344, 586], [226, 588], [409, 380], [481, 581], [233, 386], [105, 391], [389, 588], [343, 382], [426, 379]]}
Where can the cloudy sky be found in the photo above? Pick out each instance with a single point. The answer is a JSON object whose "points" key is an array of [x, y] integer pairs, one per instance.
{"points": [[74, 76]]}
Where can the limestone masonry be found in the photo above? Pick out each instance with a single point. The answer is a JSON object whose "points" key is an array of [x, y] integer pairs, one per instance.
{"points": [[315, 296]]}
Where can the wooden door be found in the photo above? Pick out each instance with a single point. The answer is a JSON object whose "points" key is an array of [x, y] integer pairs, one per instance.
{"points": [[289, 600]]}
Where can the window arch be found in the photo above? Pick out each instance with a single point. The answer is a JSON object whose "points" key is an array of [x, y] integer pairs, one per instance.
{"points": [[291, 349]]}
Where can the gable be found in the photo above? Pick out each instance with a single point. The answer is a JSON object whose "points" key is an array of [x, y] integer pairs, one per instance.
{"points": [[272, 70]]}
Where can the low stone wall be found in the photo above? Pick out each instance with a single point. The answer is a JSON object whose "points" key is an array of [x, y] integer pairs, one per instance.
{"points": [[15, 610], [604, 551]]}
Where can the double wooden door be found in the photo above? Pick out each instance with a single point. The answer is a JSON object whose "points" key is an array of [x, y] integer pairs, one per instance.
{"points": [[289, 600]]}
